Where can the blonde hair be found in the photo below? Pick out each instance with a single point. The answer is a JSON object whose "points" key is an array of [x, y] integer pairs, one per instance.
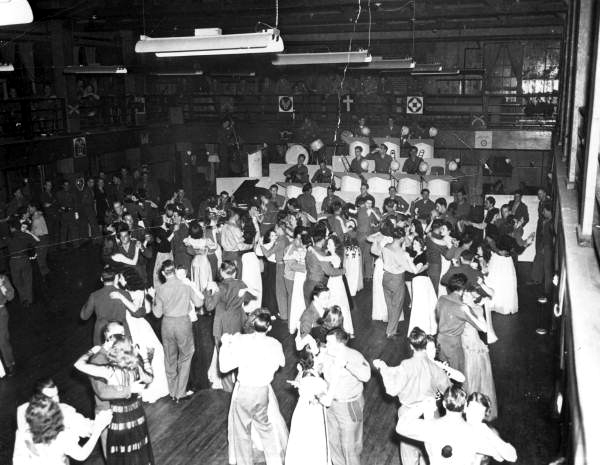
{"points": [[123, 354]]}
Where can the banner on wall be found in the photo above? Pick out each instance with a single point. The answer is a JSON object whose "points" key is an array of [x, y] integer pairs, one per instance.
{"points": [[483, 139], [255, 164], [286, 104], [79, 147]]}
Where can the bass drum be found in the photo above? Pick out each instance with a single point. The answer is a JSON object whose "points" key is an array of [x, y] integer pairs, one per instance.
{"points": [[293, 152]]}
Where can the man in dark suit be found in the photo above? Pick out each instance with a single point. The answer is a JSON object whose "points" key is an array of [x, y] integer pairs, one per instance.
{"points": [[105, 308], [319, 299]]}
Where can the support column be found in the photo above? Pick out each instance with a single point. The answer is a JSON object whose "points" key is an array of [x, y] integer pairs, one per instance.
{"points": [[592, 146], [59, 57], [584, 31], [565, 66]]}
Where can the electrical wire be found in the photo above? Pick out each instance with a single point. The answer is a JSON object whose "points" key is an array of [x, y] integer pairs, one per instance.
{"points": [[369, 39], [276, 14]]}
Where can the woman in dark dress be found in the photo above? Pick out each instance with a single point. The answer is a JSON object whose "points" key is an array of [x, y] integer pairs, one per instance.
{"points": [[128, 442], [270, 274]]}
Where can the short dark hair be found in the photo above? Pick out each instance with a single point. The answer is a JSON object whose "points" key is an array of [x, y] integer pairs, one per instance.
{"points": [[417, 339], [108, 275], [424, 190], [491, 200], [261, 323], [318, 290], [457, 282], [307, 187], [274, 186], [43, 383], [467, 255], [441, 201], [228, 267], [339, 334], [480, 399], [168, 267], [455, 399]]}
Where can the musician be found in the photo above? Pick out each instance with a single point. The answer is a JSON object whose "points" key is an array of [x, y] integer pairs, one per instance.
{"points": [[401, 204], [323, 175], [381, 158], [307, 132], [297, 173], [355, 166], [330, 200], [392, 130], [411, 166], [360, 129]]}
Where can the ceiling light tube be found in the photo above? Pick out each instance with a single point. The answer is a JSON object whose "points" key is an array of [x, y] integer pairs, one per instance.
{"points": [[207, 42], [427, 67], [326, 58], [6, 67], [15, 12], [177, 73], [95, 69], [390, 64], [445, 72]]}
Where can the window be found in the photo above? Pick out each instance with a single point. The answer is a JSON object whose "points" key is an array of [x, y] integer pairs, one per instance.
{"points": [[540, 68], [503, 78]]}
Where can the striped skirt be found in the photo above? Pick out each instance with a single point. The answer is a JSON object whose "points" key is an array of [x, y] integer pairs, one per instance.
{"points": [[128, 442]]}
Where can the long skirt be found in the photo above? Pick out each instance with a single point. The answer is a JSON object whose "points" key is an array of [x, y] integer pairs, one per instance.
{"points": [[424, 300], [502, 278], [354, 269], [203, 350], [297, 306], [269, 287], [379, 309], [128, 442]]}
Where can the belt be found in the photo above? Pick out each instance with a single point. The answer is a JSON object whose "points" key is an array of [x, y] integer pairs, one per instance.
{"points": [[352, 399]]}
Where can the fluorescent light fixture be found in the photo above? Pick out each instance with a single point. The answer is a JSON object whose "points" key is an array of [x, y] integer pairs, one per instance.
{"points": [[15, 12], [95, 69], [177, 73], [6, 67], [207, 42], [250, 74], [326, 58], [427, 67], [444, 72], [389, 64]]}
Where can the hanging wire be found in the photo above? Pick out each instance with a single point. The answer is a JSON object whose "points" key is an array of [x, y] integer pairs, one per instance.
{"points": [[341, 89], [414, 23], [276, 14], [369, 41], [144, 16]]}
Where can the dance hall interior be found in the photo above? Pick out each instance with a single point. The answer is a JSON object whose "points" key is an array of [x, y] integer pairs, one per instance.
{"points": [[312, 232]]}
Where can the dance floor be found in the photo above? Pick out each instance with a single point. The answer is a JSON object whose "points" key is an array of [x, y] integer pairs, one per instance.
{"points": [[49, 338]]}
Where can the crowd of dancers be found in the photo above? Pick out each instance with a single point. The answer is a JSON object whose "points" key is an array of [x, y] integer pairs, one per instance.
{"points": [[444, 268]]}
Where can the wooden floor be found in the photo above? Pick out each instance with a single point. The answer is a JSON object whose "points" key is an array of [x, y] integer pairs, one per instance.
{"points": [[49, 338]]}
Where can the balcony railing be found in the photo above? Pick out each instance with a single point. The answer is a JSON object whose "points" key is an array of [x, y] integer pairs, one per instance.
{"points": [[28, 118]]}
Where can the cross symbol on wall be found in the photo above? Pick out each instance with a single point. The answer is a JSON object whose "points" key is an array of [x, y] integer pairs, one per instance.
{"points": [[348, 101]]}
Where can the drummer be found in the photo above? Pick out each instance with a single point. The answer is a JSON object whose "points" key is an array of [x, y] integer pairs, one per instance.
{"points": [[381, 158], [323, 175], [297, 173]]}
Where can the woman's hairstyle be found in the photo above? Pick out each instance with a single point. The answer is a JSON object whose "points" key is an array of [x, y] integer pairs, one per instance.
{"points": [[45, 419], [300, 231], [332, 318], [307, 360], [420, 240], [267, 236], [228, 267], [455, 399], [43, 383], [398, 233], [335, 206], [133, 281], [457, 283], [196, 231], [262, 323], [122, 353], [340, 335], [418, 339], [481, 399], [387, 227]]}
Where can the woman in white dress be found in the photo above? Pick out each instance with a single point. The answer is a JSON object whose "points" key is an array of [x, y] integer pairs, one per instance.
{"points": [[353, 259], [198, 246], [142, 333], [295, 255], [502, 278], [424, 299], [251, 268], [337, 288], [308, 442]]}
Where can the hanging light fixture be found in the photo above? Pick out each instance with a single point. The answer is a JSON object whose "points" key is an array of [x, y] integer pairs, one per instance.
{"points": [[323, 58], [95, 69], [389, 64], [208, 42], [6, 67], [15, 12], [443, 72]]}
